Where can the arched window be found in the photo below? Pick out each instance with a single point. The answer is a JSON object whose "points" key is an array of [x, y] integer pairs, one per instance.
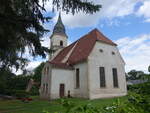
{"points": [[61, 43]]}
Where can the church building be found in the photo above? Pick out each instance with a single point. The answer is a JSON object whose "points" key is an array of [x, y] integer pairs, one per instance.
{"points": [[91, 67]]}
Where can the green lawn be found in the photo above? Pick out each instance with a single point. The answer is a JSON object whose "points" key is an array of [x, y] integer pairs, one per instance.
{"points": [[37, 105]]}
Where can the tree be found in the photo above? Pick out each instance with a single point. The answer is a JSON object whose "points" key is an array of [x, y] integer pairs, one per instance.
{"points": [[38, 72], [134, 75], [149, 68], [21, 27], [5, 77]]}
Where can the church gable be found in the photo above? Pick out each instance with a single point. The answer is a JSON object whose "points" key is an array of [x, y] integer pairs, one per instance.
{"points": [[104, 52]]}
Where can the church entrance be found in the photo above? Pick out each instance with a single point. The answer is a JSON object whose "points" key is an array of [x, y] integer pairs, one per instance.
{"points": [[62, 90]]}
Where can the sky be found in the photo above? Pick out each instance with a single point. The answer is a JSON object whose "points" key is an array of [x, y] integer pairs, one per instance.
{"points": [[126, 22]]}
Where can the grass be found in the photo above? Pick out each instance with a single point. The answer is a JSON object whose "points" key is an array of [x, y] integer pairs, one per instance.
{"points": [[37, 105]]}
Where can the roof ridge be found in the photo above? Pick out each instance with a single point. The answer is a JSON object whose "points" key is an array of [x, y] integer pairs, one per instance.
{"points": [[100, 37], [69, 53]]}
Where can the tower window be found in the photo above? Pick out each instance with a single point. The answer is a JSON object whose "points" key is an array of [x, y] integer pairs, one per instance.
{"points": [[61, 43]]}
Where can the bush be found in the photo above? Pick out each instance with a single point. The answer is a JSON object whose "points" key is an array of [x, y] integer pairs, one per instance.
{"points": [[34, 91], [20, 93]]}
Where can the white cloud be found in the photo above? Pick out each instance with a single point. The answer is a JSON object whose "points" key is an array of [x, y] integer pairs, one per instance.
{"points": [[34, 62], [46, 42], [144, 10], [117, 8], [110, 9], [135, 51], [47, 5], [147, 20], [31, 65], [79, 19]]}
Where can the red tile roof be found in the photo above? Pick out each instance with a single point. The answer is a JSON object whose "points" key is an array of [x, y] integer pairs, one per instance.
{"points": [[80, 49]]}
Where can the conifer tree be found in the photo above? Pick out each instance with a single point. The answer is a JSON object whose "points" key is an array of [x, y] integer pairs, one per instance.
{"points": [[21, 26]]}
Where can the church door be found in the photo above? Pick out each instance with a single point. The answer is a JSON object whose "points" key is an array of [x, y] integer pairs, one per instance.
{"points": [[62, 90]]}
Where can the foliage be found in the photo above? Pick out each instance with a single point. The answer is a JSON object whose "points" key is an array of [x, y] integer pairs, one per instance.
{"points": [[38, 105], [13, 85], [135, 104], [38, 72], [10, 83], [134, 75], [21, 27], [138, 101], [122, 107], [149, 68], [19, 93], [5, 77], [19, 82], [142, 89], [140, 96], [75, 6]]}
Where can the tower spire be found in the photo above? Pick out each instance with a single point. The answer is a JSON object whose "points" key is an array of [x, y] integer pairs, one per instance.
{"points": [[59, 28]]}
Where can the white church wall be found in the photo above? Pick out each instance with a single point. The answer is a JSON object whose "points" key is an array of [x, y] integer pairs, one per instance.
{"points": [[61, 76], [45, 79], [105, 59], [82, 91]]}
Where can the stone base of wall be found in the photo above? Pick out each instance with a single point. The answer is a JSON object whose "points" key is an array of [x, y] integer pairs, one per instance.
{"points": [[92, 96], [80, 96], [45, 96], [98, 96], [56, 96]]}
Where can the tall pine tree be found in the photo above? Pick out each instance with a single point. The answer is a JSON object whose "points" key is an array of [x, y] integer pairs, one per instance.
{"points": [[21, 26]]}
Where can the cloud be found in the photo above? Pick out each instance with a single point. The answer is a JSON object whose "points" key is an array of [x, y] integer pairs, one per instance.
{"points": [[109, 10], [34, 62], [48, 5], [147, 20], [144, 10], [135, 51], [46, 42], [117, 8], [31, 65]]}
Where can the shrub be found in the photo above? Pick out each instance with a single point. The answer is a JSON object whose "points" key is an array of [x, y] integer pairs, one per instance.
{"points": [[20, 93]]}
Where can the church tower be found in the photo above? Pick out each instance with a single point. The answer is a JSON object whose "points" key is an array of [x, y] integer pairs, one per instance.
{"points": [[58, 38]]}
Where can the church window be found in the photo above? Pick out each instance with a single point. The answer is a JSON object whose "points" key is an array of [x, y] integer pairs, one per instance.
{"points": [[43, 87], [46, 87], [113, 53], [47, 70], [115, 77], [101, 50], [77, 78], [102, 77], [61, 43]]}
